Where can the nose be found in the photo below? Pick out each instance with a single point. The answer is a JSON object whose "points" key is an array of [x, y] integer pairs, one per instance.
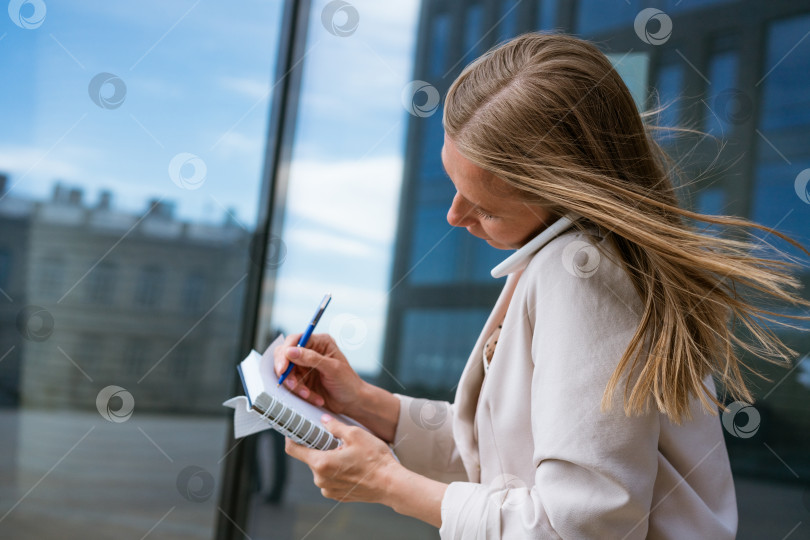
{"points": [[459, 214]]}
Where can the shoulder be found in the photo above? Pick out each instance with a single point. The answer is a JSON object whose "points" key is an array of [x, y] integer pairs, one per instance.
{"points": [[580, 272]]}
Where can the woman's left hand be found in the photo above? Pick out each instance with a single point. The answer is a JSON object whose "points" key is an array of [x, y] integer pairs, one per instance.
{"points": [[359, 470]]}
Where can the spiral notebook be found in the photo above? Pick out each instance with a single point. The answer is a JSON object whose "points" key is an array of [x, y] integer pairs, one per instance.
{"points": [[265, 405]]}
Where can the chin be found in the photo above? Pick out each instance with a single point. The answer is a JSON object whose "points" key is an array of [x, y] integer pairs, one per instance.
{"points": [[498, 245]]}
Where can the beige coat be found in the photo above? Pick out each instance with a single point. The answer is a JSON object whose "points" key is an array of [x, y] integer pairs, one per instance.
{"points": [[526, 450]]}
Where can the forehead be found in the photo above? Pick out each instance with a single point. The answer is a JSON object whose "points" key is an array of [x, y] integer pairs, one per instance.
{"points": [[456, 164], [473, 182]]}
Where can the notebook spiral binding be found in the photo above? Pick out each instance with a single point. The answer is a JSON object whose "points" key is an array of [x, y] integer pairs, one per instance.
{"points": [[314, 437]]}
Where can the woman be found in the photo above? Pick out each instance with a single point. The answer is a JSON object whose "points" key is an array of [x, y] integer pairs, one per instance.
{"points": [[582, 411]]}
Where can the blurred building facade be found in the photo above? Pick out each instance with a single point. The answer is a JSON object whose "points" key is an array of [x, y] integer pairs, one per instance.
{"points": [[736, 70], [159, 314]]}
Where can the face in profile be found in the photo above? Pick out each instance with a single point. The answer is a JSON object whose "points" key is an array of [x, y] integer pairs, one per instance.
{"points": [[487, 206]]}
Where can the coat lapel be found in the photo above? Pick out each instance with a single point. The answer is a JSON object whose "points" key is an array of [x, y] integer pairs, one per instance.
{"points": [[469, 386]]}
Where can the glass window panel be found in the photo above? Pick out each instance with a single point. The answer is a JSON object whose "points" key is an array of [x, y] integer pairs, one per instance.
{"points": [[777, 203], [101, 283], [473, 32], [547, 14], [670, 88], [134, 138], [431, 141], [785, 99], [440, 36], [193, 292], [780, 195], [149, 288], [679, 6], [436, 246], [633, 68], [5, 267], [509, 11], [430, 361], [595, 16], [723, 70]]}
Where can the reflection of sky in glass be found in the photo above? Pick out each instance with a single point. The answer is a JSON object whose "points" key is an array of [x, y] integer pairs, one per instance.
{"points": [[345, 176], [192, 85]]}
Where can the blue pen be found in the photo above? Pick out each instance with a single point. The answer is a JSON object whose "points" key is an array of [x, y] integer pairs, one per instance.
{"points": [[308, 332]]}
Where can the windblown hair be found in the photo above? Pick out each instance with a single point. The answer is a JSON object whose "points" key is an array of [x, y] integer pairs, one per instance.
{"points": [[548, 114]]}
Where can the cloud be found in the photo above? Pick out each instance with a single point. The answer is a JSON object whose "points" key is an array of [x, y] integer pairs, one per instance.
{"points": [[356, 197], [26, 163], [319, 241]]}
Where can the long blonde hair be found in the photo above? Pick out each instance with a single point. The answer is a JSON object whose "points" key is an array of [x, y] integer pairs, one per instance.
{"points": [[548, 114]]}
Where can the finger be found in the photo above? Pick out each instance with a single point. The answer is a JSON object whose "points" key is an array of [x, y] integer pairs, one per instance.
{"points": [[301, 389], [292, 339], [279, 360], [335, 427], [322, 343], [306, 357], [299, 452]]}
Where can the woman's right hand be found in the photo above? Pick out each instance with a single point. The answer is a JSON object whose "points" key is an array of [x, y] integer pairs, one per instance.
{"points": [[321, 375]]}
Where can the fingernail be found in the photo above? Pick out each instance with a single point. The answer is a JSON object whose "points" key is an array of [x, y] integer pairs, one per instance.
{"points": [[326, 419], [293, 352], [289, 384], [304, 392], [319, 401]]}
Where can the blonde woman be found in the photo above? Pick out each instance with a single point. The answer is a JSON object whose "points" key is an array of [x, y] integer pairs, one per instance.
{"points": [[587, 408]]}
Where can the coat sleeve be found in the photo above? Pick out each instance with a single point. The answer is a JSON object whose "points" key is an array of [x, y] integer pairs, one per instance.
{"points": [[594, 471], [424, 439]]}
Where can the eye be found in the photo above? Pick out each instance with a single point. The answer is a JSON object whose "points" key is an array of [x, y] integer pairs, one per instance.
{"points": [[483, 214]]}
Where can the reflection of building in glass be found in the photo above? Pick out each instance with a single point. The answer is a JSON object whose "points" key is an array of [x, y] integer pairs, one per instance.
{"points": [[737, 69], [143, 301]]}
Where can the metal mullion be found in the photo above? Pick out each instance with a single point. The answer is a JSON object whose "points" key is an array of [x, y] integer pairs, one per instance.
{"points": [[235, 487]]}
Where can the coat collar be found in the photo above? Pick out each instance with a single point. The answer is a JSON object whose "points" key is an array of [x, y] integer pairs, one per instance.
{"points": [[520, 258]]}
